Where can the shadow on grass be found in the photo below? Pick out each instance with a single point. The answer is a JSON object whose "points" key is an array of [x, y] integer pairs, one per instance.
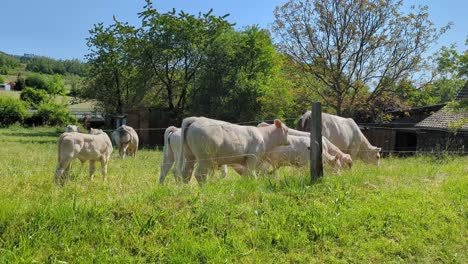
{"points": [[31, 134], [30, 141]]}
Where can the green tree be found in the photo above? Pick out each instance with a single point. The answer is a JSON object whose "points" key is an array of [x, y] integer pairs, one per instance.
{"points": [[37, 81], [11, 111], [354, 48], [174, 49], [55, 86], [240, 78], [114, 79], [34, 97], [20, 83]]}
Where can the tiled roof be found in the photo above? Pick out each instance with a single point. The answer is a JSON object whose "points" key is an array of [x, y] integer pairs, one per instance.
{"points": [[442, 119], [463, 93]]}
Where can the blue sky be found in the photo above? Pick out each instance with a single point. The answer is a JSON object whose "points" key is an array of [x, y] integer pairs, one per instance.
{"points": [[58, 28]]}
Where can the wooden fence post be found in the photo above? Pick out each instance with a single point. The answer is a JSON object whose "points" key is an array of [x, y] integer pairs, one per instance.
{"points": [[316, 165]]}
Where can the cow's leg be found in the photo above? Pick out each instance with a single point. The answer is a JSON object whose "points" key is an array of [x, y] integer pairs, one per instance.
{"points": [[202, 171], [104, 168], [122, 150], [59, 171], [67, 171], [251, 164], [92, 169], [224, 170], [187, 165], [168, 160]]}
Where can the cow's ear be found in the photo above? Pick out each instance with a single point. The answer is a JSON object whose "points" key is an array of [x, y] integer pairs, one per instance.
{"points": [[278, 123], [378, 149]]}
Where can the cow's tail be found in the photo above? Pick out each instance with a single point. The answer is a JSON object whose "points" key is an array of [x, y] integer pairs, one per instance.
{"points": [[167, 134], [59, 144], [183, 129]]}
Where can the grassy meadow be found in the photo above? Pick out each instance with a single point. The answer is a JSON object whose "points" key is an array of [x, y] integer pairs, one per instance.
{"points": [[406, 210]]}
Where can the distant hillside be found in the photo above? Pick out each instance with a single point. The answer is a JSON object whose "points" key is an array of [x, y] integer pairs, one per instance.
{"points": [[40, 64]]}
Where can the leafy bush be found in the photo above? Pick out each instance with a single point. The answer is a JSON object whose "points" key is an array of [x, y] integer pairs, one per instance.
{"points": [[11, 111], [2, 80], [37, 81], [20, 83], [34, 97], [52, 114]]}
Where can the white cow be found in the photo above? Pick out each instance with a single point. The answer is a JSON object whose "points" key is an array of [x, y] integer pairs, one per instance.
{"points": [[72, 128], [94, 147], [126, 140], [213, 143], [297, 153], [345, 134], [171, 154]]}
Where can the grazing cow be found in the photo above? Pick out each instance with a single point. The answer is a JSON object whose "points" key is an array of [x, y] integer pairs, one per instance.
{"points": [[345, 134], [213, 143], [171, 154], [94, 147], [126, 140], [72, 128], [299, 150]]}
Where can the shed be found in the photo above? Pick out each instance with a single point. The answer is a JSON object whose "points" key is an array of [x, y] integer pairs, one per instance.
{"points": [[150, 124], [398, 136], [435, 133]]}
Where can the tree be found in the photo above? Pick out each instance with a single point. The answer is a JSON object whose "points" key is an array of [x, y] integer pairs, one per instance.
{"points": [[56, 86], [34, 97], [113, 78], [174, 49], [20, 83], [354, 48], [240, 78]]}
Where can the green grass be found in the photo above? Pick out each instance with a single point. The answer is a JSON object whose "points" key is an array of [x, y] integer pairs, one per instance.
{"points": [[407, 210]]}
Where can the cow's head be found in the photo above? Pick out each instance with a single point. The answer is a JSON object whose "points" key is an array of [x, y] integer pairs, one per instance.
{"points": [[373, 155], [72, 128], [282, 131], [345, 160]]}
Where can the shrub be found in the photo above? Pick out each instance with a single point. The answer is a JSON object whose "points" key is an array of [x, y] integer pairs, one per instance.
{"points": [[2, 80], [11, 111], [34, 97], [52, 114], [37, 81], [20, 83]]}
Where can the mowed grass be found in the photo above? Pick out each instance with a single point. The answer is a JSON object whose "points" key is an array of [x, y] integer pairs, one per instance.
{"points": [[406, 210]]}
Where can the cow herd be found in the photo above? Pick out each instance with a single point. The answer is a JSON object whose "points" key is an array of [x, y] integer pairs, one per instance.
{"points": [[214, 144]]}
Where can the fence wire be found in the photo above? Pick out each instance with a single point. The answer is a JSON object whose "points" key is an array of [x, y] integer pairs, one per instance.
{"points": [[46, 163]]}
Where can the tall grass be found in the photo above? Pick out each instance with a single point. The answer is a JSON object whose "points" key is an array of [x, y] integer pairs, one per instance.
{"points": [[406, 210]]}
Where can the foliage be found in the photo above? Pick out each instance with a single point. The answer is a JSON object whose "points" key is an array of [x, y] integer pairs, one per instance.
{"points": [[8, 62], [114, 80], [34, 97], [240, 79], [37, 81], [11, 111], [55, 86], [20, 83], [52, 114], [354, 47], [409, 210], [175, 45], [2, 80], [46, 65]]}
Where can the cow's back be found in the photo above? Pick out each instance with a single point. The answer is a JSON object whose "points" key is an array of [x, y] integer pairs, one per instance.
{"points": [[342, 132], [210, 138]]}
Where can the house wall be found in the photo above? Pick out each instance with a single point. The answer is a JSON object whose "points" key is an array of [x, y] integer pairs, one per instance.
{"points": [[439, 141], [150, 124], [380, 137]]}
